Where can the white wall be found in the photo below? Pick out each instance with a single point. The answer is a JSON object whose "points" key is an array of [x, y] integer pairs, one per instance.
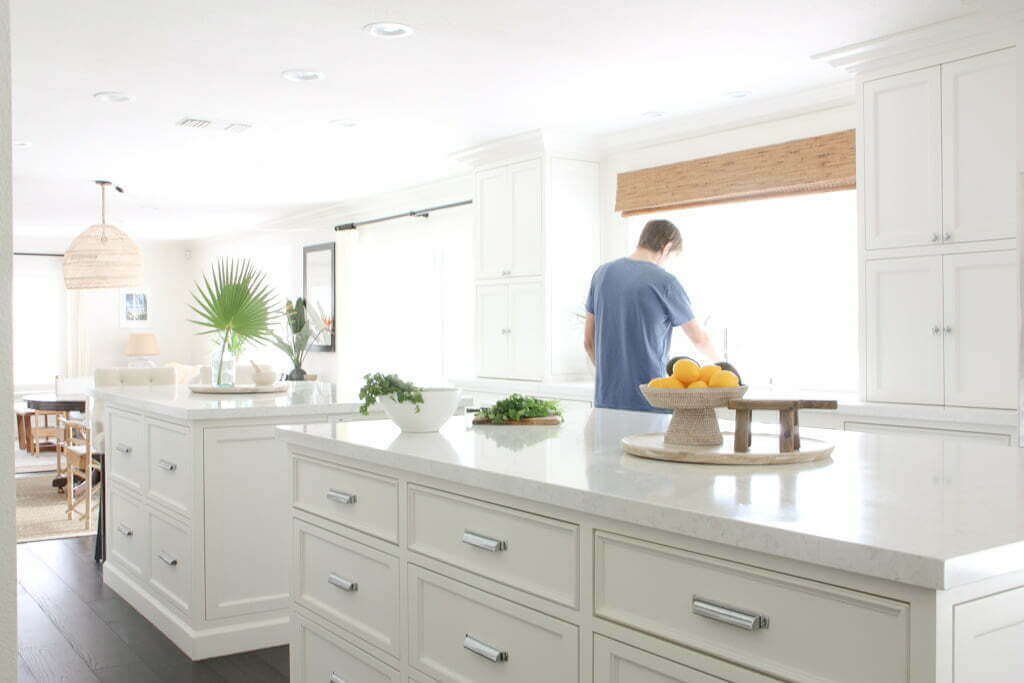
{"points": [[166, 270], [277, 250], [8, 602], [818, 112]]}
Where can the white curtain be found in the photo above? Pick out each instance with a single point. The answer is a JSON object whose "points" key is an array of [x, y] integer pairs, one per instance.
{"points": [[77, 351]]}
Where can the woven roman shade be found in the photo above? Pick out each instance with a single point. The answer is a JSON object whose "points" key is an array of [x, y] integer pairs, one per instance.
{"points": [[818, 164]]}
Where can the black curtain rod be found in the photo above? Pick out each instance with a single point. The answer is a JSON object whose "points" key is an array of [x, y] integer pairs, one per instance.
{"points": [[421, 213], [37, 253]]}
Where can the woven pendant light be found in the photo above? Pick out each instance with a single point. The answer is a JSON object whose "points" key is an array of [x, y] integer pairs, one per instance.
{"points": [[102, 257]]}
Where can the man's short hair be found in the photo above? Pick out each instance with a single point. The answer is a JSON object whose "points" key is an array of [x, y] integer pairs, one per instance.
{"points": [[657, 233]]}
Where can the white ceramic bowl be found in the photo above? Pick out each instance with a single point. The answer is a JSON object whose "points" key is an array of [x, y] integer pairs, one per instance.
{"points": [[438, 405]]}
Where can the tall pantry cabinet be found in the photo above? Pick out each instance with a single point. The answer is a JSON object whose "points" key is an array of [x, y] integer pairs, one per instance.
{"points": [[536, 247], [937, 149]]}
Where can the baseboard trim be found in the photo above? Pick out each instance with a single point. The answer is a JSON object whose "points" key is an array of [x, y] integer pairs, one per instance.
{"points": [[215, 641]]}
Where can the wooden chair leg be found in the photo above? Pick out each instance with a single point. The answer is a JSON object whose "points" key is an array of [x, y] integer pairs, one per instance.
{"points": [[88, 495]]}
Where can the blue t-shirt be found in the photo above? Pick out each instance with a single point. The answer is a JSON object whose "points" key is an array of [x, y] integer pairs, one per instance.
{"points": [[636, 304]]}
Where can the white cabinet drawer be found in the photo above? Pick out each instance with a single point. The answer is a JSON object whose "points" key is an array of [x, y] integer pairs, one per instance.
{"points": [[349, 584], [319, 657], [525, 551], [127, 534], [459, 633], [170, 560], [616, 662], [125, 446], [813, 630], [363, 501], [170, 467]]}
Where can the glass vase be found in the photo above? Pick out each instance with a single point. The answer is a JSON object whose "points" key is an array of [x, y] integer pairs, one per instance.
{"points": [[223, 365]]}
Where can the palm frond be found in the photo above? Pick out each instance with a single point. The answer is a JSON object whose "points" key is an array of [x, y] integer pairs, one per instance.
{"points": [[234, 299]]}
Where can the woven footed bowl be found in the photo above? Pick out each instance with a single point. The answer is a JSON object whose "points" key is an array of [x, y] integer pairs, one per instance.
{"points": [[691, 399]]}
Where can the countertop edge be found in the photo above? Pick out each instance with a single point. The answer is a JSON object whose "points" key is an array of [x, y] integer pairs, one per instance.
{"points": [[923, 572]]}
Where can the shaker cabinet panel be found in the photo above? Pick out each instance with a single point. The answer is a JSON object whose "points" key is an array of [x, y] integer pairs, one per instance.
{"points": [[526, 336], [494, 225], [526, 188], [902, 160], [492, 330], [980, 329], [903, 309], [979, 128]]}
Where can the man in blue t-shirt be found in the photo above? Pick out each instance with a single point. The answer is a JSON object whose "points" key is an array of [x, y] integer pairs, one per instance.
{"points": [[631, 309]]}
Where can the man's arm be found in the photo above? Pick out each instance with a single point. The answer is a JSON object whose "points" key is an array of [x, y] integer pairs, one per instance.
{"points": [[701, 340], [588, 338]]}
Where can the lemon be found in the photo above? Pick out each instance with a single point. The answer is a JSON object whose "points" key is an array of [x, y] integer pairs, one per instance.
{"points": [[699, 384], [665, 383], [724, 379], [709, 371], [686, 371]]}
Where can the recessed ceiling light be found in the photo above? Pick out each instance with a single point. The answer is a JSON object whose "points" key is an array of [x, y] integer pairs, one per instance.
{"points": [[738, 94], [112, 96], [21, 143], [653, 114], [388, 29], [302, 75], [343, 123]]}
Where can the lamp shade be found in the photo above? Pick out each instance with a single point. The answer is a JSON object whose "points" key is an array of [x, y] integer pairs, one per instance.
{"points": [[142, 344], [102, 257]]}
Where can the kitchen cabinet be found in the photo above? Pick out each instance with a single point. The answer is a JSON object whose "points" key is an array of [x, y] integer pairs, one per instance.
{"points": [[978, 154], [903, 301], [980, 325], [509, 206], [942, 329], [510, 330], [902, 143]]}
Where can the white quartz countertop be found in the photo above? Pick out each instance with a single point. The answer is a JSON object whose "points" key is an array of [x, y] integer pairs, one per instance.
{"points": [[917, 510], [177, 402]]}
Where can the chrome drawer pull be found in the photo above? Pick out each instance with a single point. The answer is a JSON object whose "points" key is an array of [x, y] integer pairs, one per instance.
{"points": [[490, 544], [167, 559], [341, 497], [728, 615], [342, 583], [478, 647], [166, 465], [124, 530], [124, 450], [335, 678]]}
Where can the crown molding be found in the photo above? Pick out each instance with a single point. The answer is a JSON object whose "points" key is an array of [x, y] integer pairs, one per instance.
{"points": [[984, 30], [559, 142], [823, 98]]}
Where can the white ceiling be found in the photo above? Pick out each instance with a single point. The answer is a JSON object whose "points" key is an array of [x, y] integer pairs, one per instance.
{"points": [[473, 71]]}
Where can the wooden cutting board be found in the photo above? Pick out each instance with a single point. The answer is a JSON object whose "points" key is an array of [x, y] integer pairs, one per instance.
{"points": [[553, 420]]}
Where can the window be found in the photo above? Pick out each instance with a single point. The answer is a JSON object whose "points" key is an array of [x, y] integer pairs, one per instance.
{"points": [[39, 315], [775, 283]]}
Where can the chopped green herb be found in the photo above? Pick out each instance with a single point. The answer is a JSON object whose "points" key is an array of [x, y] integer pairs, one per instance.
{"points": [[518, 407]]}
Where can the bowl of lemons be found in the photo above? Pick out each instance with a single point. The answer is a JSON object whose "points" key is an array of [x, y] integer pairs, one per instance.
{"points": [[692, 392]]}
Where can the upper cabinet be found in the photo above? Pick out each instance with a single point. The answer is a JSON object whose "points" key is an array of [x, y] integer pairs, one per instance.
{"points": [[509, 205], [979, 128], [902, 138], [939, 154]]}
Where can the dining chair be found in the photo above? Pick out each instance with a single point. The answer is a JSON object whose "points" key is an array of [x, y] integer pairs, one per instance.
{"points": [[44, 429], [82, 468]]}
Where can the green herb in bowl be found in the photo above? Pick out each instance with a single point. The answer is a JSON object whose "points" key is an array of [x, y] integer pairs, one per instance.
{"points": [[518, 407], [378, 385]]}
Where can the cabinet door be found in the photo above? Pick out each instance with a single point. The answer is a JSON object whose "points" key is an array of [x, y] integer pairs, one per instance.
{"points": [[903, 309], [526, 322], [978, 156], [981, 329], [493, 203], [902, 160], [525, 180], [492, 321]]}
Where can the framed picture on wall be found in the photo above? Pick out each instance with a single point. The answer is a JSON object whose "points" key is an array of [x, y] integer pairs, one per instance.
{"points": [[134, 305], [318, 289]]}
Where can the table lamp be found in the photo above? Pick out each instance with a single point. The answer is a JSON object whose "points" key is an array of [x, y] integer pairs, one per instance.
{"points": [[140, 347]]}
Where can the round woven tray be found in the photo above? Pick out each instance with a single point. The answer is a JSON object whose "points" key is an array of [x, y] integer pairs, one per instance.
{"points": [[764, 450], [693, 412]]}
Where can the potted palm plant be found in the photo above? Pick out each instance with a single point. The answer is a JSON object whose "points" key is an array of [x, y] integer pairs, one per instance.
{"points": [[301, 331], [234, 304]]}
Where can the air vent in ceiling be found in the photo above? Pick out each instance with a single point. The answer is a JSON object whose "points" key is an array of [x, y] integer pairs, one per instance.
{"points": [[220, 126]]}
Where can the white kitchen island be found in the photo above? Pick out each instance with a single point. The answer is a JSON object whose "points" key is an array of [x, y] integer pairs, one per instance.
{"points": [[197, 509], [546, 555]]}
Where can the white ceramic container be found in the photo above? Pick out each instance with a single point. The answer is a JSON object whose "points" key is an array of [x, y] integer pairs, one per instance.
{"points": [[438, 405]]}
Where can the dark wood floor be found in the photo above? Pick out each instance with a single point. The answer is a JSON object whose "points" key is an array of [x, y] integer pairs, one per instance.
{"points": [[73, 629]]}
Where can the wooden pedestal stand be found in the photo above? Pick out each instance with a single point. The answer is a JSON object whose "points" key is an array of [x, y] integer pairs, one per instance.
{"points": [[789, 420]]}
